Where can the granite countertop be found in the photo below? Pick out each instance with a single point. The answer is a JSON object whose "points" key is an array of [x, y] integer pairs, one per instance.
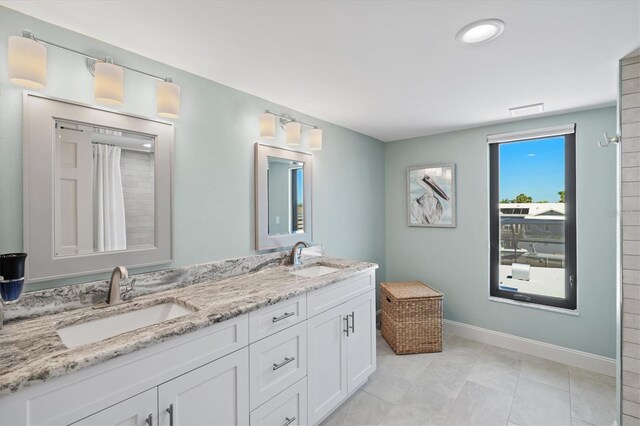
{"points": [[32, 352]]}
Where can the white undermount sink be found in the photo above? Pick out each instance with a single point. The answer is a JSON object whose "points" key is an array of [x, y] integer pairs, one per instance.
{"points": [[100, 329], [314, 271]]}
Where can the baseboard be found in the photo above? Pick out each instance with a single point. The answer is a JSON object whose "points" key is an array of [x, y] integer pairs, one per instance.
{"points": [[595, 363]]}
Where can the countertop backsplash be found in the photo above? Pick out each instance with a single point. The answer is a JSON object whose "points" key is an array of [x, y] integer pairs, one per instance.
{"points": [[60, 299]]}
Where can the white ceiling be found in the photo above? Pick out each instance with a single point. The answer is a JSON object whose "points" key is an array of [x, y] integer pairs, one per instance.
{"points": [[389, 69]]}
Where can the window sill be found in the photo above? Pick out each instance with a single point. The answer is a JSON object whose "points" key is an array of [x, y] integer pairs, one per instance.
{"points": [[570, 312]]}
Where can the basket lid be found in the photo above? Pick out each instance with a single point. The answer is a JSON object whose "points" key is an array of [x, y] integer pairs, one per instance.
{"points": [[410, 290]]}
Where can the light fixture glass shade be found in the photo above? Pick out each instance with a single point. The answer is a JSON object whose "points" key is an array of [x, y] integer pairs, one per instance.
{"points": [[168, 99], [267, 126], [109, 83], [293, 133], [315, 139], [27, 62], [481, 31]]}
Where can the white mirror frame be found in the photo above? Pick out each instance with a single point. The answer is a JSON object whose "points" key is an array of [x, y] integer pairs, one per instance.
{"points": [[39, 116], [264, 241]]}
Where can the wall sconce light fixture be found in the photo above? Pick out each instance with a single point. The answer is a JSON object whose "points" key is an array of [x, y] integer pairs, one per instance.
{"points": [[27, 62], [168, 99], [315, 139], [293, 133], [28, 68], [109, 83], [267, 126], [293, 128]]}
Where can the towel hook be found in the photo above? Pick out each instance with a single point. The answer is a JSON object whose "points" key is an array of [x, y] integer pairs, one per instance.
{"points": [[608, 140]]}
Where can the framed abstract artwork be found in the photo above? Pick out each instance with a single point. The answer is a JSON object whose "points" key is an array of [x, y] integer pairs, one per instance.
{"points": [[431, 196]]}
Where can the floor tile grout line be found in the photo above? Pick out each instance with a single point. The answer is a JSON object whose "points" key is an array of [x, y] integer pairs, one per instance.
{"points": [[513, 399], [570, 397]]}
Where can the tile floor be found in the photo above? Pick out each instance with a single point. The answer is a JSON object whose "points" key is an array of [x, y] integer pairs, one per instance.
{"points": [[471, 383]]}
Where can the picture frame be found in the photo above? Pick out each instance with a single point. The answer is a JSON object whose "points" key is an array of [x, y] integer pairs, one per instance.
{"points": [[431, 196]]}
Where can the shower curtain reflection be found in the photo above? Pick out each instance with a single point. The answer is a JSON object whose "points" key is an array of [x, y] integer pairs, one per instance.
{"points": [[108, 199]]}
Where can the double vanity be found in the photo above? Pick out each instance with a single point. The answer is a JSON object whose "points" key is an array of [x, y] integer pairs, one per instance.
{"points": [[280, 345], [260, 340]]}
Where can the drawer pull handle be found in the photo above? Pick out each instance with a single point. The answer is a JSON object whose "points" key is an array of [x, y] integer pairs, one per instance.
{"points": [[346, 320], [288, 421], [353, 322], [283, 363], [149, 420], [283, 316], [170, 411]]}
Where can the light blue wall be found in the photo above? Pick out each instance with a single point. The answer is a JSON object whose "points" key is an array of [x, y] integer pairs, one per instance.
{"points": [[213, 191], [456, 260]]}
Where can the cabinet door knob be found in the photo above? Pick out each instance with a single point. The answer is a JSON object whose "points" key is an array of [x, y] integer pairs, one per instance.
{"points": [[170, 411], [283, 363], [288, 421], [149, 420], [283, 316]]}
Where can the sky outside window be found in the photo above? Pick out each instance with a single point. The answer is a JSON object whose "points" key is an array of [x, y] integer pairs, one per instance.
{"points": [[535, 168]]}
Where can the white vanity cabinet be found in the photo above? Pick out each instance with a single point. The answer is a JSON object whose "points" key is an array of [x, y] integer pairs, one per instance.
{"points": [[327, 374], [342, 353], [192, 365], [291, 363], [214, 394]]}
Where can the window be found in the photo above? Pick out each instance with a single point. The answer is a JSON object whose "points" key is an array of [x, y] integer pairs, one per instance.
{"points": [[533, 218], [297, 200]]}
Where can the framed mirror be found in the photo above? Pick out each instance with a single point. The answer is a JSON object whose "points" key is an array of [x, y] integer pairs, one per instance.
{"points": [[97, 189], [283, 197]]}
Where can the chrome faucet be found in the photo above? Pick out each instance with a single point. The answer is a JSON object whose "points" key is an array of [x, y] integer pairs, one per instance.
{"points": [[113, 296], [296, 253]]}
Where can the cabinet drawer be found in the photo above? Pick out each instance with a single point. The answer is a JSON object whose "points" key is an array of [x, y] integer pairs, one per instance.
{"points": [[287, 408], [266, 321], [276, 363], [326, 298]]}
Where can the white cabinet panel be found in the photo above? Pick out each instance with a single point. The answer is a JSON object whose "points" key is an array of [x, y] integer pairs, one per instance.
{"points": [[277, 362], [325, 298], [327, 373], [361, 343], [269, 320], [214, 394], [140, 410], [287, 408]]}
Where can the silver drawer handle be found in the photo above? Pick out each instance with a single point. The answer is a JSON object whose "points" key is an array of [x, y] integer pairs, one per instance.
{"points": [[170, 411], [288, 421], [283, 316], [346, 320], [283, 363]]}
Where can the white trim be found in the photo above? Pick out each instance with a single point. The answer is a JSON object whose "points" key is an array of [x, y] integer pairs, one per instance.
{"points": [[564, 129], [591, 362]]}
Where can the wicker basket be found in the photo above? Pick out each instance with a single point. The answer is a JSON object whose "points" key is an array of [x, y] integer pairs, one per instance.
{"points": [[411, 317]]}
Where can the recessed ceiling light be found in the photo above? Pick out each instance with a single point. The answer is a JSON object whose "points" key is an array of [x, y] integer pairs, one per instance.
{"points": [[147, 145], [480, 31], [526, 110]]}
